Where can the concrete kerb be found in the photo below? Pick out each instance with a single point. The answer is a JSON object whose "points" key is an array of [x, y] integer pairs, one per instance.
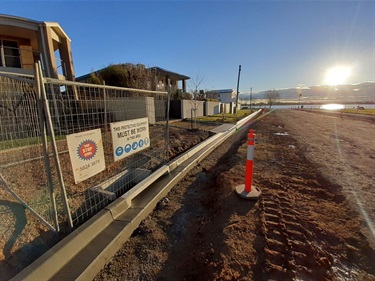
{"points": [[121, 215], [46, 266], [124, 202], [248, 118]]}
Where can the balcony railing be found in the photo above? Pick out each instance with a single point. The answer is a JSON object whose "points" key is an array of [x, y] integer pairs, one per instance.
{"points": [[22, 60]]}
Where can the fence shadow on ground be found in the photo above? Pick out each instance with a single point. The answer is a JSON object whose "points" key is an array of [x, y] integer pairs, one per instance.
{"points": [[17, 210], [14, 261]]}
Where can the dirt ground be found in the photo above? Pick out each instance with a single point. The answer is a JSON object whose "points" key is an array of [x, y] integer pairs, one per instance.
{"points": [[313, 221]]}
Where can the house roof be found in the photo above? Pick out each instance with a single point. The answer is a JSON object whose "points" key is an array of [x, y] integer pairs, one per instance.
{"points": [[173, 75], [223, 91], [85, 76], [31, 24]]}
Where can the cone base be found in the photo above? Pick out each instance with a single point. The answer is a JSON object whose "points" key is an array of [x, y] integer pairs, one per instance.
{"points": [[252, 195]]}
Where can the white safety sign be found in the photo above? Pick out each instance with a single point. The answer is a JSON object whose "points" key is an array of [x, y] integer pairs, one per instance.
{"points": [[129, 137], [86, 154]]}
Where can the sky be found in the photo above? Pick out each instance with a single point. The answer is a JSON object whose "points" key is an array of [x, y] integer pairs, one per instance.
{"points": [[279, 44]]}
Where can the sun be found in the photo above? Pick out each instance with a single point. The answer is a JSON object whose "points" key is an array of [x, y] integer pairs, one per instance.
{"points": [[337, 75]]}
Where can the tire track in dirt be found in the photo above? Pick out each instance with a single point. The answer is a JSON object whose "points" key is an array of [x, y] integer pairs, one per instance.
{"points": [[309, 230], [289, 252], [344, 151]]}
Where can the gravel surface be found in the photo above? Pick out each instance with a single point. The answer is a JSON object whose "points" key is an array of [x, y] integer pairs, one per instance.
{"points": [[314, 220]]}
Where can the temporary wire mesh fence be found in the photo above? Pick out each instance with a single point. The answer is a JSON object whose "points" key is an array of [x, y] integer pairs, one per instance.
{"points": [[80, 107], [22, 154], [74, 108]]}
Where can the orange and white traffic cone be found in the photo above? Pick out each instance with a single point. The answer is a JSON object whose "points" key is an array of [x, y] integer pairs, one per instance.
{"points": [[247, 191]]}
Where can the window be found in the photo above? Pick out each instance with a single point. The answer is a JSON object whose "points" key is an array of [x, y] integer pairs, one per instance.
{"points": [[10, 54]]}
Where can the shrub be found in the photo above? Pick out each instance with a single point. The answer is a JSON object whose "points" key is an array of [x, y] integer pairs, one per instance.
{"points": [[128, 75]]}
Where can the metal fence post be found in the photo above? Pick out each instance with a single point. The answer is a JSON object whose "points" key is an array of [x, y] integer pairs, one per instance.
{"points": [[167, 121], [105, 108], [42, 127], [55, 151]]}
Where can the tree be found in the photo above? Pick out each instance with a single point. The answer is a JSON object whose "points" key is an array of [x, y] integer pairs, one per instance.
{"points": [[195, 83], [272, 96], [95, 79], [196, 94]]}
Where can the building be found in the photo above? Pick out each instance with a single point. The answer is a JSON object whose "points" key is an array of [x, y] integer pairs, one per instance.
{"points": [[224, 96], [160, 76], [24, 41]]}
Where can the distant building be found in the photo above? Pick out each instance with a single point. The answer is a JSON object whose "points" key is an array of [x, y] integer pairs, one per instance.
{"points": [[24, 41], [224, 96]]}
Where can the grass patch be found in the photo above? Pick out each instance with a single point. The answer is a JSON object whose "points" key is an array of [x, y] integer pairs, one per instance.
{"points": [[226, 117], [359, 111], [8, 144]]}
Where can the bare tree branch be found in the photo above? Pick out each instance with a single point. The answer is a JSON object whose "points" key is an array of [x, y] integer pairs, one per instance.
{"points": [[272, 96]]}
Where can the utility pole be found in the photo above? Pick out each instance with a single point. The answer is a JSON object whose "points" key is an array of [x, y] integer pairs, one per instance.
{"points": [[238, 87]]}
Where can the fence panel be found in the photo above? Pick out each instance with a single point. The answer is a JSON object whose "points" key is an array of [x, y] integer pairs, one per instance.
{"points": [[77, 108], [23, 155], [28, 170]]}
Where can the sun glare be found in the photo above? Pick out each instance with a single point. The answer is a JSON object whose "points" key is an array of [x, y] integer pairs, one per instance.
{"points": [[332, 106], [337, 75]]}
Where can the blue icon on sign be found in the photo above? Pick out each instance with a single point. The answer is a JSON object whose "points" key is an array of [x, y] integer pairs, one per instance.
{"points": [[119, 151], [140, 143], [146, 141], [134, 145], [128, 148]]}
